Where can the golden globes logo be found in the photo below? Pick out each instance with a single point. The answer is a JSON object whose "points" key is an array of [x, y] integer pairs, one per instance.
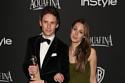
{"points": [[5, 77], [100, 74], [40, 4], [100, 3]]}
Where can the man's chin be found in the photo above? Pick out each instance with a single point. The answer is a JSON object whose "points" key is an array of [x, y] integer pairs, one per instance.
{"points": [[48, 34]]}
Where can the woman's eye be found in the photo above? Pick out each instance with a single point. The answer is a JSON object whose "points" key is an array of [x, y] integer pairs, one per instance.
{"points": [[81, 32], [74, 29]]}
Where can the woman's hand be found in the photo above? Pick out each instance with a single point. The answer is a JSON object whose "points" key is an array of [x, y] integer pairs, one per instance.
{"points": [[59, 77]]}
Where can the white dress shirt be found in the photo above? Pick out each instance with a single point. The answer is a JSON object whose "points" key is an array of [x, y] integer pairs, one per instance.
{"points": [[44, 48]]}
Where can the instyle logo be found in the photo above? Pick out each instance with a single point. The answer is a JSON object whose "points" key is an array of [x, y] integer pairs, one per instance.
{"points": [[40, 4], [100, 74], [5, 41], [104, 41], [100, 3], [6, 77]]}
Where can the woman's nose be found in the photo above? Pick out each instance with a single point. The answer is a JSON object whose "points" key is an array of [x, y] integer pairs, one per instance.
{"points": [[76, 32]]}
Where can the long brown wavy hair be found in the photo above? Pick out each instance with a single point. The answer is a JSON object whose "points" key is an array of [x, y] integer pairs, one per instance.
{"points": [[83, 50]]}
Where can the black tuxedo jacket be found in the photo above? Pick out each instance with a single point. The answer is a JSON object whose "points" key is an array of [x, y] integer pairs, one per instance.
{"points": [[56, 60]]}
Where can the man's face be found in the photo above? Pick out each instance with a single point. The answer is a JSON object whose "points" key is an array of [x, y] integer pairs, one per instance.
{"points": [[48, 24]]}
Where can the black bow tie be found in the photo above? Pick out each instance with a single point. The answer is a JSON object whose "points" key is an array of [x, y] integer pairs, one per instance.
{"points": [[45, 40]]}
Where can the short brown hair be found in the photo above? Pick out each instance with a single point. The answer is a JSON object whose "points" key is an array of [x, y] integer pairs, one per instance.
{"points": [[50, 10]]}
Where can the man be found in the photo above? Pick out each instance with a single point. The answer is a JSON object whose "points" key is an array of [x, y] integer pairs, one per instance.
{"points": [[52, 54]]}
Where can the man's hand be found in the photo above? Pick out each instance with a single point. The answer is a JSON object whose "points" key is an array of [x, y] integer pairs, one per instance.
{"points": [[37, 81], [34, 72]]}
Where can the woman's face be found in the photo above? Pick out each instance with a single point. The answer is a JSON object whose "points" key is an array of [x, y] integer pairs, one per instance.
{"points": [[77, 32]]}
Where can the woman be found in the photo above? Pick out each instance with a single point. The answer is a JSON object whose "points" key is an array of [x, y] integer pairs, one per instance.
{"points": [[82, 57]]}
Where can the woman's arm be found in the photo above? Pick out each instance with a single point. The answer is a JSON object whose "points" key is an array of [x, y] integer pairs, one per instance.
{"points": [[93, 64]]}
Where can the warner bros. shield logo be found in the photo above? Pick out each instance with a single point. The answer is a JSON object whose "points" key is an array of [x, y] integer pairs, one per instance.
{"points": [[100, 74]]}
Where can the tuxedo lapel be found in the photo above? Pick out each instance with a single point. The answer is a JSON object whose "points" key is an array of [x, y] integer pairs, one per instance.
{"points": [[36, 48]]}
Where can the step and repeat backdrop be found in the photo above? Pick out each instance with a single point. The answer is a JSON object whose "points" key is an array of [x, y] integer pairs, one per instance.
{"points": [[19, 20]]}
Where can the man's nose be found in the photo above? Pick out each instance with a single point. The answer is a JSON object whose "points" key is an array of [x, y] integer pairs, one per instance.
{"points": [[48, 25]]}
